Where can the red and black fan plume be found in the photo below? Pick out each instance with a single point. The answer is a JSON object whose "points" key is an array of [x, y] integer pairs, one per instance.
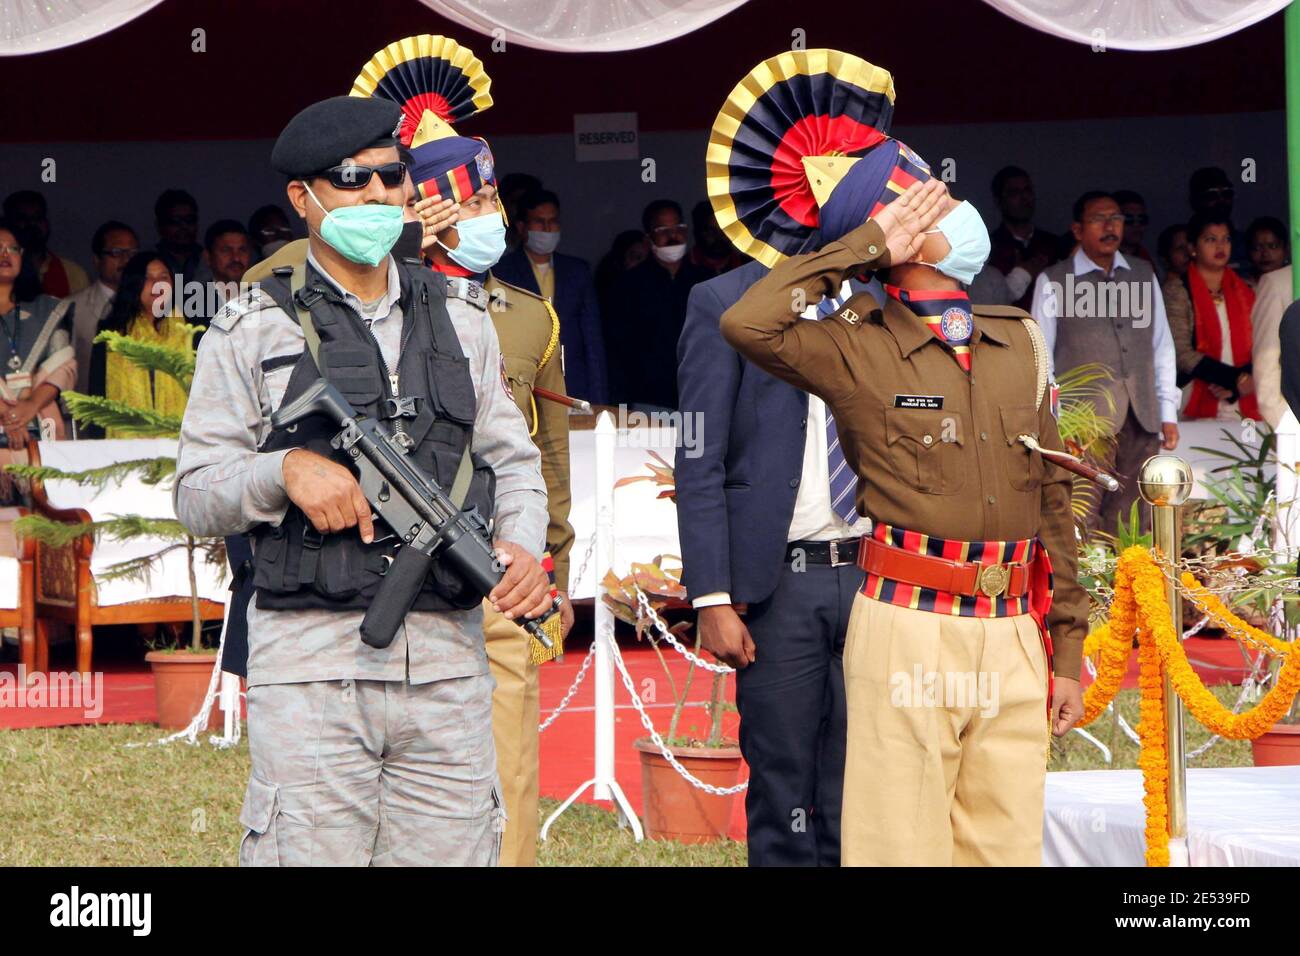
{"points": [[426, 73], [803, 103]]}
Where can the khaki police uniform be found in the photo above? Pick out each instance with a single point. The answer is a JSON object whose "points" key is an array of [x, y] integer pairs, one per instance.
{"points": [[529, 331], [932, 781]]}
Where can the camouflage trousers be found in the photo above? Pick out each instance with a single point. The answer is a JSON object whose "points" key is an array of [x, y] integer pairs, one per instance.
{"points": [[370, 772]]}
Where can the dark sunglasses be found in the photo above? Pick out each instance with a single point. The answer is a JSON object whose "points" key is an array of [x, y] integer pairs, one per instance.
{"points": [[351, 176], [1136, 219], [190, 220]]}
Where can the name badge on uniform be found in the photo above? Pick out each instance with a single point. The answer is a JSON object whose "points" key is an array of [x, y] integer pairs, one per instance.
{"points": [[918, 401]]}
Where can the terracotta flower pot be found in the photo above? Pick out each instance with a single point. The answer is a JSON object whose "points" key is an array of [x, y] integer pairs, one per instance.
{"points": [[180, 680], [1278, 746], [673, 809]]}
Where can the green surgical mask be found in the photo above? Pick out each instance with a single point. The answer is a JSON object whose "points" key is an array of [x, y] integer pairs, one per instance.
{"points": [[363, 234]]}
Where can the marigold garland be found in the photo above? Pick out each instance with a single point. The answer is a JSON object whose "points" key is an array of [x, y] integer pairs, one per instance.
{"points": [[1141, 606]]}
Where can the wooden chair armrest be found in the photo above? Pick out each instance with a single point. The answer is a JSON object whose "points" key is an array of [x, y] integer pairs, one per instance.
{"points": [[86, 543]]}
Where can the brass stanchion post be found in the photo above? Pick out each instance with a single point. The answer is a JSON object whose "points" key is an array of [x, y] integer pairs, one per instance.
{"points": [[1165, 484]]}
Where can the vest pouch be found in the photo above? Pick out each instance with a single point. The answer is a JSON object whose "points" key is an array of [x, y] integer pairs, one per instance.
{"points": [[268, 559], [451, 387], [351, 368], [339, 563]]}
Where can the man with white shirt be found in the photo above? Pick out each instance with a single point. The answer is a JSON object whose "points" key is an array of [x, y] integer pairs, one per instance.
{"points": [[1273, 295], [112, 247], [1099, 307]]}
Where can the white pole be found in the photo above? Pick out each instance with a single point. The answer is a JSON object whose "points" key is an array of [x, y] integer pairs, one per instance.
{"points": [[603, 785], [606, 435]]}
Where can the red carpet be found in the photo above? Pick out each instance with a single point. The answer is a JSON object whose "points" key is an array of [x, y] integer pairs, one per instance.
{"points": [[567, 746]]}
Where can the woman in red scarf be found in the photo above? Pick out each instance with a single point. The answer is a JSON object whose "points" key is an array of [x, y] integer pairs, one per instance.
{"points": [[1209, 317]]}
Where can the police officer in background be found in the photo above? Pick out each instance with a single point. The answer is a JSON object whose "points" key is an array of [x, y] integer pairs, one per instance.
{"points": [[360, 755]]}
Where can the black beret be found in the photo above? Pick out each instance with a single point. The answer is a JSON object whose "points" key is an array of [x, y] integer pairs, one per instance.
{"points": [[326, 133]]}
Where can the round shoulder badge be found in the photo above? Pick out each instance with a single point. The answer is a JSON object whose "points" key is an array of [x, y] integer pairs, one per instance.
{"points": [[956, 324]]}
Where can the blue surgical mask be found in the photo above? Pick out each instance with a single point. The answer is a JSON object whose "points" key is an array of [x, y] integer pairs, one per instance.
{"points": [[482, 242], [968, 239], [363, 234]]}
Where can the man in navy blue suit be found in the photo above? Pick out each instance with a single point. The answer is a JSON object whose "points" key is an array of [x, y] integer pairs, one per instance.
{"points": [[565, 280], [770, 567]]}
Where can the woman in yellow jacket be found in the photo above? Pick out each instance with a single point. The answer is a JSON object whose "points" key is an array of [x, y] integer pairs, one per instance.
{"points": [[139, 310]]}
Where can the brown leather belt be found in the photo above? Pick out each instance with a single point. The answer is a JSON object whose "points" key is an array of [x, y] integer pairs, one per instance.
{"points": [[967, 578]]}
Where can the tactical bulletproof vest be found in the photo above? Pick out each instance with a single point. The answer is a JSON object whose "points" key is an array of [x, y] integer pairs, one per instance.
{"points": [[295, 566]]}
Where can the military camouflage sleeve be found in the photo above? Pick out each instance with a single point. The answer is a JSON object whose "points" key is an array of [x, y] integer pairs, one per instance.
{"points": [[224, 485], [501, 439]]}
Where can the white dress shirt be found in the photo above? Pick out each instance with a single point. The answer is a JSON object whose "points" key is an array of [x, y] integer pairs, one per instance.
{"points": [[1046, 309], [814, 519]]}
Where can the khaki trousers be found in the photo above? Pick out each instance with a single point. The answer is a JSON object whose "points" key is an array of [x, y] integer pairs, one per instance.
{"points": [[515, 714], [947, 739]]}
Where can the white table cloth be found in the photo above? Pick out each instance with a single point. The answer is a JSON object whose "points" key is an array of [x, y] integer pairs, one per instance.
{"points": [[170, 577], [644, 525], [1236, 816]]}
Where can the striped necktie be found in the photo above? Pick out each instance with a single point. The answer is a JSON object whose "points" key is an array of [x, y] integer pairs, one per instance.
{"points": [[946, 314], [843, 480]]}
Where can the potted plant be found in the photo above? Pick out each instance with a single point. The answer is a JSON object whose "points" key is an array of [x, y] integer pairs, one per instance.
{"points": [[672, 807], [1243, 505], [181, 668]]}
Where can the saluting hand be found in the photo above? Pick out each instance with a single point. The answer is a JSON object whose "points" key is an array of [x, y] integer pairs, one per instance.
{"points": [[905, 220], [327, 493], [438, 216]]}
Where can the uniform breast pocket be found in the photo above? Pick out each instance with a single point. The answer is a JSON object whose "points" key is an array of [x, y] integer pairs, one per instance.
{"points": [[925, 448], [1026, 466]]}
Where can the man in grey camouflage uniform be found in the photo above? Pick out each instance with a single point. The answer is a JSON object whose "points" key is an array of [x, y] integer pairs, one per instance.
{"points": [[360, 755]]}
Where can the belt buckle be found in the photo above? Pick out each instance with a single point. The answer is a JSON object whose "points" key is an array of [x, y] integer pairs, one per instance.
{"points": [[994, 579], [835, 555]]}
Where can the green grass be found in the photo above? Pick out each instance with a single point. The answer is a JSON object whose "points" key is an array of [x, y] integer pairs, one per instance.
{"points": [[77, 796]]}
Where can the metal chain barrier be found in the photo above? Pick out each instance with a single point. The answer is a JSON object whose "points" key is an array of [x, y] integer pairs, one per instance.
{"points": [[573, 688], [686, 775], [644, 610], [586, 663]]}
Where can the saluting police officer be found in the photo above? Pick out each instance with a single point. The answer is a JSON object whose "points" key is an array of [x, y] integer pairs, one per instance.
{"points": [[941, 413], [360, 755]]}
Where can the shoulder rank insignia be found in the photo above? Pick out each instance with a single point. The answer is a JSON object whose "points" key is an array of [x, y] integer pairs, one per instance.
{"points": [[248, 302], [849, 316]]}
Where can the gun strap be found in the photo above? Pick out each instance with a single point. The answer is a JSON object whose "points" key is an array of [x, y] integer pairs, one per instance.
{"points": [[464, 472], [309, 332]]}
